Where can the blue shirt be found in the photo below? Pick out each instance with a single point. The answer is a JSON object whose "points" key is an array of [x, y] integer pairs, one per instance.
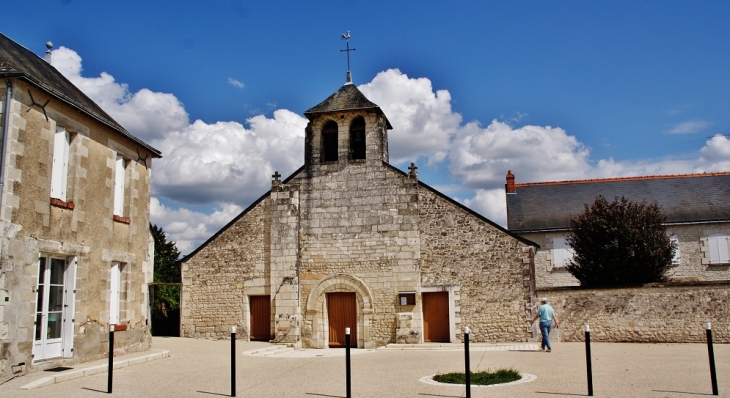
{"points": [[545, 312]]}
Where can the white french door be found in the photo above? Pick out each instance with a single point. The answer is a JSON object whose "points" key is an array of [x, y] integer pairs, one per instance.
{"points": [[54, 308]]}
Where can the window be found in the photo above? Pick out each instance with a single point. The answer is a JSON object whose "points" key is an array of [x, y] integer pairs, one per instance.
{"points": [[718, 249], [59, 171], [357, 138], [329, 142], [674, 240], [119, 176], [562, 252]]}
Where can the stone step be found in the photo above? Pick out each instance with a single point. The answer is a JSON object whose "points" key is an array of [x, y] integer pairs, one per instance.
{"points": [[269, 351], [459, 346]]}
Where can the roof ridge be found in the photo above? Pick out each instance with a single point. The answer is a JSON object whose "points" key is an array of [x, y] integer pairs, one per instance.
{"points": [[615, 179]]}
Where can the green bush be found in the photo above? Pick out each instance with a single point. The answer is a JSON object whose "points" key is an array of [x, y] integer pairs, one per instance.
{"points": [[484, 378], [619, 243]]}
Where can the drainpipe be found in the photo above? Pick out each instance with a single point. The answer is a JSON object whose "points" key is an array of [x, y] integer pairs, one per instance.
{"points": [[6, 130]]}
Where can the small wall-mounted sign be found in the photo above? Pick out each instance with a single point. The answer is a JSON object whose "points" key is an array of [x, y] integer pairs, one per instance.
{"points": [[407, 298]]}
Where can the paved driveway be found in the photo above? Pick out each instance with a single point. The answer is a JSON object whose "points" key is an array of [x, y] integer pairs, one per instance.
{"points": [[201, 368]]}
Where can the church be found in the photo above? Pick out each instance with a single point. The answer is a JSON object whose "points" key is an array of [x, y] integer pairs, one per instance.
{"points": [[349, 241]]}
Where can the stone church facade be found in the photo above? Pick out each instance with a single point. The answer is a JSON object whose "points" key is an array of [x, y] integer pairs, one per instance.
{"points": [[349, 241]]}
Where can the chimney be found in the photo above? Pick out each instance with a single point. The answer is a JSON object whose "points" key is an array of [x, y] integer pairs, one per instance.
{"points": [[49, 46], [510, 186]]}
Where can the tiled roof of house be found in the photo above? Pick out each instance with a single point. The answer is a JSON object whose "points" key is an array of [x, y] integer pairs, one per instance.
{"points": [[683, 198], [17, 61], [347, 98]]}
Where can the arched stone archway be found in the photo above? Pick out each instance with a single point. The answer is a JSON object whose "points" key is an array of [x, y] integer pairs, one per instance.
{"points": [[316, 330]]}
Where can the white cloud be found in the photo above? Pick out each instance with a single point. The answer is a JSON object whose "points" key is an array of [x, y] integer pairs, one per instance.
{"points": [[235, 83], [229, 164], [189, 228], [691, 127], [491, 203], [422, 119], [145, 114], [480, 157]]}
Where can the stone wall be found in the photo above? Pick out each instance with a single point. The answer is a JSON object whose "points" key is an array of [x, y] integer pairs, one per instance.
{"points": [[81, 230], [214, 278], [670, 313], [491, 268]]}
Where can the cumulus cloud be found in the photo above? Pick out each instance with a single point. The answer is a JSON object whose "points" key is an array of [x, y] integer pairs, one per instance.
{"points": [[188, 229], [228, 164], [480, 157], [423, 121], [235, 83], [146, 114], [691, 127]]}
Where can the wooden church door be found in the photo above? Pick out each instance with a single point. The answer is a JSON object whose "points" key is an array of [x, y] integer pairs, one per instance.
{"points": [[342, 313], [435, 317], [260, 318]]}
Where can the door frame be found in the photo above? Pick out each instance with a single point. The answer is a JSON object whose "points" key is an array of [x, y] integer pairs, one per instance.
{"points": [[41, 349], [453, 312]]}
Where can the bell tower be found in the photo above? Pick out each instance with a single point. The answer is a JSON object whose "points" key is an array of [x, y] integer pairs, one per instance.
{"points": [[345, 129]]}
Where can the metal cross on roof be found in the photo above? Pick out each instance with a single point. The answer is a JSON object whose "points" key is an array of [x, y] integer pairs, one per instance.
{"points": [[276, 176], [346, 37]]}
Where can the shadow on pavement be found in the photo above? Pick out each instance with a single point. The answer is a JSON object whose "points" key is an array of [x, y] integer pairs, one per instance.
{"points": [[213, 393], [93, 389], [683, 392]]}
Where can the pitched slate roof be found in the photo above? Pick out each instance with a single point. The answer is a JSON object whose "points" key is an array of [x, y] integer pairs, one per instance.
{"points": [[347, 98], [17, 61], [683, 198]]}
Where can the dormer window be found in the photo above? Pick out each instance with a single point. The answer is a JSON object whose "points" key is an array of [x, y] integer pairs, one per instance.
{"points": [[329, 142], [357, 138]]}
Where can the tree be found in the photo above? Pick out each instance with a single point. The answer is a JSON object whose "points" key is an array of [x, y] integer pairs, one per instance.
{"points": [[166, 306], [166, 255], [619, 243]]}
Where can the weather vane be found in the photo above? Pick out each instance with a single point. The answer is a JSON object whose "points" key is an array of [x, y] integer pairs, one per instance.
{"points": [[346, 37]]}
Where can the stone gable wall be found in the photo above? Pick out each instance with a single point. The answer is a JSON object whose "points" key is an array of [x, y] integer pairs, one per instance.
{"points": [[492, 269], [214, 279], [660, 314], [363, 221]]}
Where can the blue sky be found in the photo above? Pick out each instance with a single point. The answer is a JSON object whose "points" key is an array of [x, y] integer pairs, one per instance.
{"points": [[552, 90]]}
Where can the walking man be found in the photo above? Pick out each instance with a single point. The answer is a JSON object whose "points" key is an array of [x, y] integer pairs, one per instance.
{"points": [[547, 316]]}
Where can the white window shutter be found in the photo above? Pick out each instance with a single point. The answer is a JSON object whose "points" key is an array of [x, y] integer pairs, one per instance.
{"points": [[718, 249], [119, 187], [59, 171], [674, 240], [114, 287], [69, 309]]}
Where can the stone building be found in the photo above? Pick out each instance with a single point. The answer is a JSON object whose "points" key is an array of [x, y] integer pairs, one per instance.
{"points": [[75, 250], [696, 206], [349, 241]]}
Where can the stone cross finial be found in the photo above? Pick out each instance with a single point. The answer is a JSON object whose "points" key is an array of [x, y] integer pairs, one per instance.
{"points": [[413, 169], [276, 176]]}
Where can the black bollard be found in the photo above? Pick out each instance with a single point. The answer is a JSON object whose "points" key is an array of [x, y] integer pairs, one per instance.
{"points": [[588, 360], [233, 361], [110, 373], [347, 363], [467, 368], [711, 352]]}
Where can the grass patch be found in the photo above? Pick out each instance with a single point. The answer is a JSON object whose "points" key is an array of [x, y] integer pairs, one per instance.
{"points": [[486, 378]]}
